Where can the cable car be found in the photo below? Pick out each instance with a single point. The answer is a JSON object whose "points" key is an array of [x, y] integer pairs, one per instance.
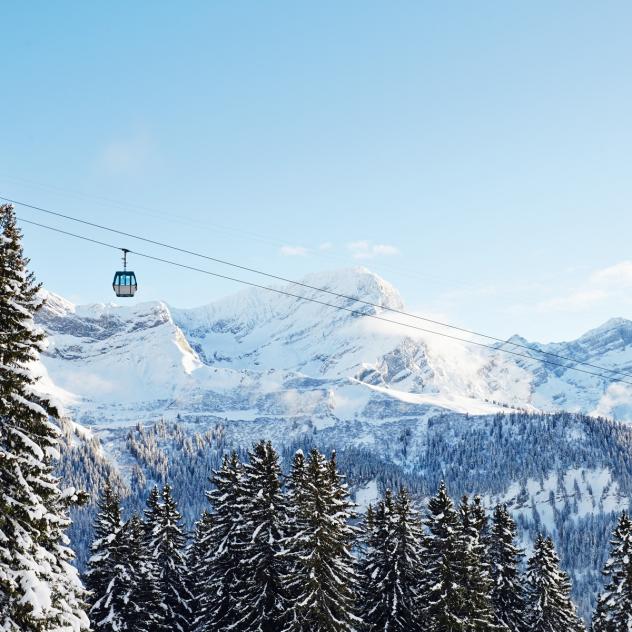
{"points": [[124, 283]]}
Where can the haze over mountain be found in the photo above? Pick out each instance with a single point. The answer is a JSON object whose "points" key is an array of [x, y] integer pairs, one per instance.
{"points": [[261, 354]]}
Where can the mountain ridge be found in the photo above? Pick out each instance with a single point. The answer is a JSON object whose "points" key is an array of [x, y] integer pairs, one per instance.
{"points": [[255, 350]]}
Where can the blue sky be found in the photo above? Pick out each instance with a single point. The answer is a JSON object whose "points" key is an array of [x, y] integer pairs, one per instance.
{"points": [[476, 155]]}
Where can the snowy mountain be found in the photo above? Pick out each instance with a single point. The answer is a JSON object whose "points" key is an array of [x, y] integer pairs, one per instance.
{"points": [[261, 354], [159, 394]]}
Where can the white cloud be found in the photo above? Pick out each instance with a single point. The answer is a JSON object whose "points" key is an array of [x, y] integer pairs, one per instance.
{"points": [[619, 274], [326, 246], [574, 302], [369, 250], [385, 249], [600, 286], [293, 251]]}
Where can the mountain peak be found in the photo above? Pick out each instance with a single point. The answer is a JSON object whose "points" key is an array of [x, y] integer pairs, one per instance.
{"points": [[612, 326], [56, 304], [358, 282]]}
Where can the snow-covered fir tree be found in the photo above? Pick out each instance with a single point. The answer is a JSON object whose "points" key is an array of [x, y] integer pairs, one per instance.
{"points": [[614, 608], [151, 517], [480, 523], [391, 567], [477, 610], [151, 524], [166, 548], [549, 606], [101, 564], [222, 559], [264, 510], [125, 596], [297, 497], [143, 600], [320, 578], [505, 557], [197, 572], [442, 592], [110, 611], [40, 590]]}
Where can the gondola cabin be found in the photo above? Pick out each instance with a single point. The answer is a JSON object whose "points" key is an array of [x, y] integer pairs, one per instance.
{"points": [[124, 283]]}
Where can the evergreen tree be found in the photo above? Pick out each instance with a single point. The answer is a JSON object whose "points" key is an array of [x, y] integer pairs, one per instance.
{"points": [[101, 564], [443, 594], [263, 508], [614, 608], [39, 588], [369, 520], [480, 523], [222, 555], [476, 607], [150, 536], [131, 602], [392, 566], [505, 556], [197, 571], [151, 519], [145, 607], [166, 549], [110, 611], [320, 578], [293, 530], [549, 606], [601, 619]]}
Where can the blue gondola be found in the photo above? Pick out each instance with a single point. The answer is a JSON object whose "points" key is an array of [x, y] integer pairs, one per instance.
{"points": [[124, 283]]}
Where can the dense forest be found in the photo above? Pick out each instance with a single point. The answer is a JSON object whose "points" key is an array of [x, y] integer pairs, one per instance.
{"points": [[567, 476], [275, 553]]}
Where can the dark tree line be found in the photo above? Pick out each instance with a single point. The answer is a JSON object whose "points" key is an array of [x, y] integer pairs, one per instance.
{"points": [[287, 554]]}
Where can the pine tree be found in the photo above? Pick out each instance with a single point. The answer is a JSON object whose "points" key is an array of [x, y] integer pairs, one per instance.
{"points": [[222, 558], [549, 606], [505, 556], [391, 567], [129, 601], [197, 571], [166, 549], [151, 518], [601, 619], [320, 579], [110, 612], [614, 608], [476, 608], [297, 499], [143, 599], [369, 520], [480, 522], [150, 529], [101, 564], [442, 593], [39, 587], [263, 508]]}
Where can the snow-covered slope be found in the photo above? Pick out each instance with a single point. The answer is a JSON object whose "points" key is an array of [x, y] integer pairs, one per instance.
{"points": [[261, 354]]}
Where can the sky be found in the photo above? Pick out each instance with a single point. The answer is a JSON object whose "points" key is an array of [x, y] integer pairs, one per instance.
{"points": [[477, 155]]}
